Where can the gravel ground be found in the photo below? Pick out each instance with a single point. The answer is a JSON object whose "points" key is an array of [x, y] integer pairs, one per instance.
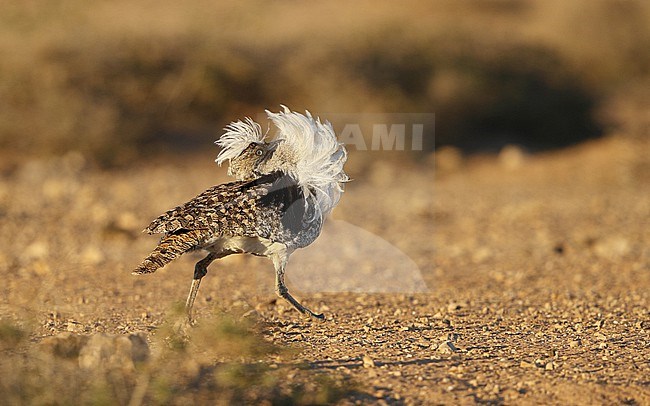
{"points": [[498, 279]]}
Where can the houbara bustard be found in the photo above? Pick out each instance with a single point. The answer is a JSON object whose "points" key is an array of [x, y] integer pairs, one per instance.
{"points": [[284, 188]]}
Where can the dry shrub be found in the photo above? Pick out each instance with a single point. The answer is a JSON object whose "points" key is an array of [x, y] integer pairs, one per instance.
{"points": [[222, 361]]}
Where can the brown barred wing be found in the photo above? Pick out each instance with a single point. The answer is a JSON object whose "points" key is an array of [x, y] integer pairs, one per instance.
{"points": [[197, 213], [270, 206]]}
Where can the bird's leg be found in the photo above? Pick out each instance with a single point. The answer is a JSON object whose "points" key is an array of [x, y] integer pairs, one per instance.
{"points": [[200, 269], [280, 262]]}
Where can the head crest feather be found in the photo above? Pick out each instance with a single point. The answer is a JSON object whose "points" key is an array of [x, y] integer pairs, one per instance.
{"points": [[309, 151], [239, 135]]}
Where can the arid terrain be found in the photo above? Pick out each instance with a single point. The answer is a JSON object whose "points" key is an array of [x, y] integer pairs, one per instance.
{"points": [[506, 260], [527, 281]]}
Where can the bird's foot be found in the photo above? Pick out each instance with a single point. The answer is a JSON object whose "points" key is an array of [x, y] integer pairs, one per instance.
{"points": [[312, 315], [317, 316], [284, 293]]}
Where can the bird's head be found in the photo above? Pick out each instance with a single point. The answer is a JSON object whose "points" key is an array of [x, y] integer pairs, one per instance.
{"points": [[246, 165], [243, 146]]}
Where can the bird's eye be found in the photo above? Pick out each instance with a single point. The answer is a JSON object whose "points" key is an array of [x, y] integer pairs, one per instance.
{"points": [[259, 152]]}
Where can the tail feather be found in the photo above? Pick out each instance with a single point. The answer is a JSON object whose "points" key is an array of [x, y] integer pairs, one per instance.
{"points": [[169, 248]]}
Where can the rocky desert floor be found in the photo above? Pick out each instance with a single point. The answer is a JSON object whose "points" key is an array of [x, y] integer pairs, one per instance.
{"points": [[507, 279]]}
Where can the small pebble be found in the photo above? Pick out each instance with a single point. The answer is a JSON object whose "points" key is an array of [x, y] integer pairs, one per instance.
{"points": [[368, 362]]}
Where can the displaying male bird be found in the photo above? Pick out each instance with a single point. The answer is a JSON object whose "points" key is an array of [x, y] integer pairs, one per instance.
{"points": [[284, 188]]}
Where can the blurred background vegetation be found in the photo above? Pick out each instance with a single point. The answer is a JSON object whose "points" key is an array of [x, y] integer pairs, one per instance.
{"points": [[116, 80]]}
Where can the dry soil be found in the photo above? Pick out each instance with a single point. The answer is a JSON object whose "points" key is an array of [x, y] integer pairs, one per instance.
{"points": [[501, 279]]}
